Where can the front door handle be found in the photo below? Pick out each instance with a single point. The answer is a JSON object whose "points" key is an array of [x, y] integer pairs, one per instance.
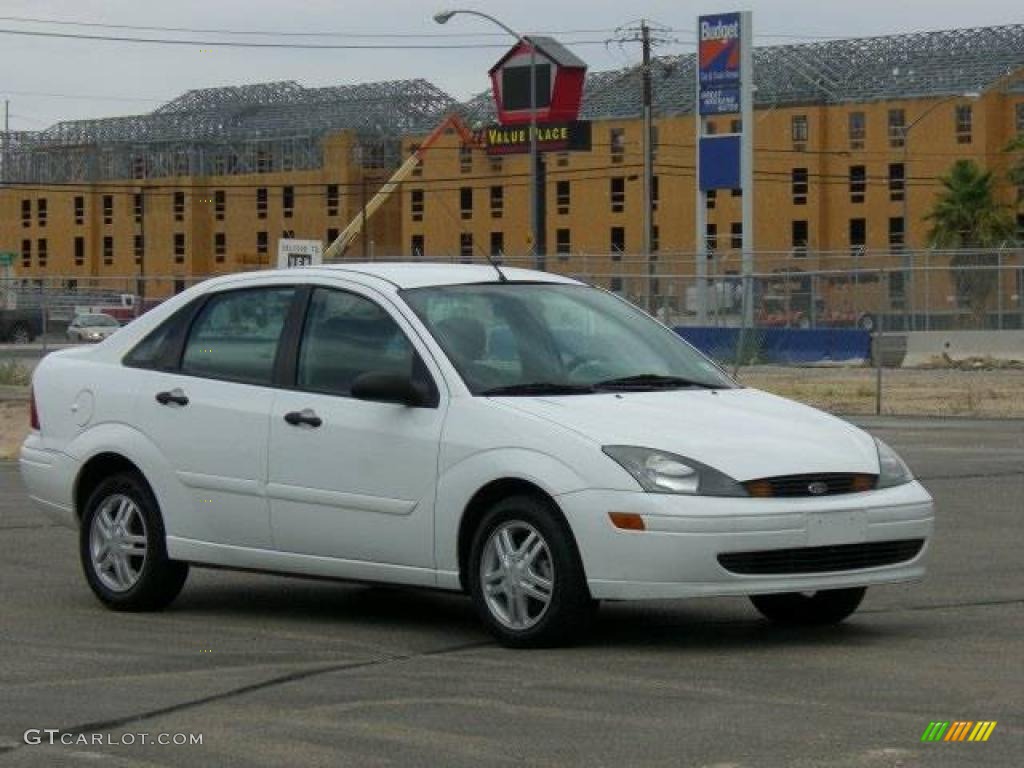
{"points": [[306, 416], [175, 396]]}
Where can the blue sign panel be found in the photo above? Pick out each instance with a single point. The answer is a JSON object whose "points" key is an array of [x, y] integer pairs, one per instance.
{"points": [[720, 162], [718, 63]]}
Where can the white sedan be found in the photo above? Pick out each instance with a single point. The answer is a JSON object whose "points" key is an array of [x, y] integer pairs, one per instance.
{"points": [[533, 441], [93, 327]]}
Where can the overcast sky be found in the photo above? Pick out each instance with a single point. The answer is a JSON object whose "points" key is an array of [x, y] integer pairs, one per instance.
{"points": [[90, 78]]}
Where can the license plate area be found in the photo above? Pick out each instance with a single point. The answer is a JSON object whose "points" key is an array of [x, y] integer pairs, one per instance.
{"points": [[843, 527]]}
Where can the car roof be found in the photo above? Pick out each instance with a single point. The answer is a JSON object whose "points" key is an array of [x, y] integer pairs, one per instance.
{"points": [[424, 274]]}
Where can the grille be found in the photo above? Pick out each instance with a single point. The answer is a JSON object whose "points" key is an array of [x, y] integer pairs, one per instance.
{"points": [[838, 557], [790, 486]]}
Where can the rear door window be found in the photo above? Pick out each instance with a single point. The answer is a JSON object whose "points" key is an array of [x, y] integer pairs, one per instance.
{"points": [[236, 335]]}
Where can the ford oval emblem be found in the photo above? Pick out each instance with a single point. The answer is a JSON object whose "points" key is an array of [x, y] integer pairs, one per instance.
{"points": [[817, 488]]}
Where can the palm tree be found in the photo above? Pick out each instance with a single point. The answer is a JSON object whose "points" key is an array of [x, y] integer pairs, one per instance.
{"points": [[967, 217]]}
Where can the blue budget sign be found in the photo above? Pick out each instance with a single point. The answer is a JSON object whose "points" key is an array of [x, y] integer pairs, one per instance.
{"points": [[718, 63]]}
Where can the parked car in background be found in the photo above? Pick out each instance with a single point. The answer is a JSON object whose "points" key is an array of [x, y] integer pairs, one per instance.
{"points": [[20, 326], [533, 441], [92, 327]]}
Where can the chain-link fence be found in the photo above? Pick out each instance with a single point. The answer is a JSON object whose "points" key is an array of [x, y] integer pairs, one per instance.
{"points": [[895, 332]]}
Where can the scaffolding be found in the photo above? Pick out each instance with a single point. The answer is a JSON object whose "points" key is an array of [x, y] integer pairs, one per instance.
{"points": [[918, 65], [260, 128]]}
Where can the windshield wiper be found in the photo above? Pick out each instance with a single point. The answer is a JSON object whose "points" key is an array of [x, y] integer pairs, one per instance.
{"points": [[652, 381], [539, 388]]}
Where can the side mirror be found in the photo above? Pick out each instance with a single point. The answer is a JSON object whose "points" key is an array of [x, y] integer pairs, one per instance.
{"points": [[389, 388]]}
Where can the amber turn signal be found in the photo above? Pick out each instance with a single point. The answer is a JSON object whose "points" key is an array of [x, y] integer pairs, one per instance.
{"points": [[627, 521]]}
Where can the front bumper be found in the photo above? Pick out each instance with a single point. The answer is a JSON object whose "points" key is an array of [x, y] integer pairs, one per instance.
{"points": [[677, 554]]}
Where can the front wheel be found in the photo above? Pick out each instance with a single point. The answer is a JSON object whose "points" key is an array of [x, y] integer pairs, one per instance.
{"points": [[525, 575], [123, 549], [828, 606], [20, 334]]}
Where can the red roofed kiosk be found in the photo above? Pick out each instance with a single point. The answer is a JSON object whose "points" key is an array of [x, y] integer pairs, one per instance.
{"points": [[560, 78]]}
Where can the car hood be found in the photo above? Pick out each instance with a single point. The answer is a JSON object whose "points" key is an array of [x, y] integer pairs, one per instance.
{"points": [[745, 433]]}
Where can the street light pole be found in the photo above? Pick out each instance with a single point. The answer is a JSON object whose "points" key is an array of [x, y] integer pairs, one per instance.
{"points": [[535, 192]]}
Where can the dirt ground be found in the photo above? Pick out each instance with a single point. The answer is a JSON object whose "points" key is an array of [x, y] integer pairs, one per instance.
{"points": [[993, 394], [905, 392]]}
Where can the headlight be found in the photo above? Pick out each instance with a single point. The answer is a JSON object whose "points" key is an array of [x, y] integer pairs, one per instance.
{"points": [[892, 470], [663, 472]]}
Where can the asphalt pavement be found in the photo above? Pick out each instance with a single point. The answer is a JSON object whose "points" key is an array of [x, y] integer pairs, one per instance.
{"points": [[279, 671]]}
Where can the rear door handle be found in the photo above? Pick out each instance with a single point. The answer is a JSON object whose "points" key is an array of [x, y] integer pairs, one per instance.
{"points": [[306, 416], [175, 396]]}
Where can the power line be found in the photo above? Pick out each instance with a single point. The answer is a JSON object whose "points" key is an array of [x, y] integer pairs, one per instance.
{"points": [[280, 46]]}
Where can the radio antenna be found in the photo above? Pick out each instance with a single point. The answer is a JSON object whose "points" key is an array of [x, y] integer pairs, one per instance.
{"points": [[497, 267]]}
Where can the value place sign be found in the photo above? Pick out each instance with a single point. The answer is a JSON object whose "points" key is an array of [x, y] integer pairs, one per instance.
{"points": [[551, 137]]}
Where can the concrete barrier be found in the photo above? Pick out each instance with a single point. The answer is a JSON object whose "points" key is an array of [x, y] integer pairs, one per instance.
{"points": [[924, 346]]}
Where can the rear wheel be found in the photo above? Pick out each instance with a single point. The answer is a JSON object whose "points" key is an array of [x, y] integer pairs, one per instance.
{"points": [[20, 334], [525, 575], [123, 550], [828, 606]]}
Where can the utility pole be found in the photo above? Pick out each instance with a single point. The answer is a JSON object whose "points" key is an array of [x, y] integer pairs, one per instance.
{"points": [[642, 35], [7, 134]]}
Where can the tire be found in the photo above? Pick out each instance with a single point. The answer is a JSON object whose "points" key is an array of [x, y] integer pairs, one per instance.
{"points": [[20, 334], [536, 530], [122, 514], [866, 323], [829, 606]]}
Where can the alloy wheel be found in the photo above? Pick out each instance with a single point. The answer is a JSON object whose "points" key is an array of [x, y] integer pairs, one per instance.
{"points": [[517, 575]]}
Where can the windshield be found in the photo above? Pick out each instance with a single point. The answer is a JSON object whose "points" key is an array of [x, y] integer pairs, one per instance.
{"points": [[97, 321], [532, 338]]}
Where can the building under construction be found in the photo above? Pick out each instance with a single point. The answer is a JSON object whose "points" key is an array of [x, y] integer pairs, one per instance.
{"points": [[850, 138]]}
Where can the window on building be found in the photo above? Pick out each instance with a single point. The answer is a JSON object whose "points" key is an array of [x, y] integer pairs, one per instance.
{"points": [[897, 289], [179, 206], [897, 125], [617, 144], [416, 204], [617, 187], [497, 244], [736, 192], [179, 247], [798, 237], [736, 235], [655, 193], [26, 213], [220, 204], [1018, 122], [497, 164], [416, 247], [466, 246], [261, 203], [858, 233], [137, 207], [139, 248], [964, 123], [288, 201], [857, 129], [711, 238], [466, 202], [418, 168], [79, 251], [465, 158], [798, 182], [41, 211], [1020, 237], [735, 125], [858, 183], [262, 243], [711, 199], [655, 142], [615, 285], [220, 246], [710, 128], [655, 239], [179, 285], [798, 127], [79, 209], [897, 182], [618, 242], [108, 209], [26, 253], [497, 202], [563, 242], [108, 250], [42, 252], [332, 199], [562, 159], [896, 233], [563, 197]]}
